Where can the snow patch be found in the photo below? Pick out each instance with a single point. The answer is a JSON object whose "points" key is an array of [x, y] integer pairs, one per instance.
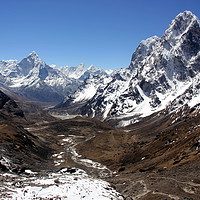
{"points": [[59, 186]]}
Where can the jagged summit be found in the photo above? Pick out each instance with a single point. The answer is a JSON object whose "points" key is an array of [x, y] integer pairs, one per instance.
{"points": [[183, 27], [33, 54], [186, 15], [32, 61], [180, 25], [149, 41], [34, 57], [184, 20], [92, 68], [144, 49], [161, 70]]}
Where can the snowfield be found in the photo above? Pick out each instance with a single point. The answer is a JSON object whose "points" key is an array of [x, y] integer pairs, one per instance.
{"points": [[61, 185]]}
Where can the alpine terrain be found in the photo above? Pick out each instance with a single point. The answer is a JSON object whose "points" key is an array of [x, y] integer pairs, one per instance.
{"points": [[129, 134], [40, 83], [163, 71]]}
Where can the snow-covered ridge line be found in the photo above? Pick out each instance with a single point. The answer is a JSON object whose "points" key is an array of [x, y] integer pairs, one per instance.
{"points": [[36, 80], [162, 70]]}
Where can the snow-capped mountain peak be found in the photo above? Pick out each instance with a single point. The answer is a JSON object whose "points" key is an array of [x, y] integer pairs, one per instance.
{"points": [[92, 68], [34, 58], [30, 62], [144, 49], [161, 70], [180, 25], [149, 41], [81, 72], [33, 54], [36, 80]]}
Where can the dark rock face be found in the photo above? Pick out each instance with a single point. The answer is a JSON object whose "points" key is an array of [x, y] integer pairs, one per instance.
{"points": [[43, 73], [191, 45], [9, 106], [3, 99]]}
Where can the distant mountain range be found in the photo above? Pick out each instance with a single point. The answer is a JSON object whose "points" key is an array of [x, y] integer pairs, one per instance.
{"points": [[163, 73], [34, 79]]}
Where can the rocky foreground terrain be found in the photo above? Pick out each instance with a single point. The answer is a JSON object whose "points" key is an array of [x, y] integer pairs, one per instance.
{"points": [[38, 158], [157, 158]]}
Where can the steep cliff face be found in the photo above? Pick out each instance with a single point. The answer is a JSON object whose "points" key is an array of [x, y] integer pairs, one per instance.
{"points": [[161, 70]]}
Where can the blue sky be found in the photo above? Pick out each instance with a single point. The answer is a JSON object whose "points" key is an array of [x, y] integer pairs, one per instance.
{"points": [[104, 33]]}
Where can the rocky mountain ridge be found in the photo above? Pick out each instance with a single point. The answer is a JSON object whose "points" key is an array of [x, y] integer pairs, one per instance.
{"points": [[162, 70], [19, 149], [81, 72]]}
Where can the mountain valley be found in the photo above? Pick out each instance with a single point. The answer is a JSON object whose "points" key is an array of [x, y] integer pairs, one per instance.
{"points": [[140, 159], [84, 133]]}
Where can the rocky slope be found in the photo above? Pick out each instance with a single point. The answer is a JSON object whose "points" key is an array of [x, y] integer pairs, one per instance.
{"points": [[162, 70], [36, 162], [157, 158], [19, 148]]}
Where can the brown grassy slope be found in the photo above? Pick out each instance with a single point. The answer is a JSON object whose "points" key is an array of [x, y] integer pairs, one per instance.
{"points": [[19, 148], [153, 144], [23, 149]]}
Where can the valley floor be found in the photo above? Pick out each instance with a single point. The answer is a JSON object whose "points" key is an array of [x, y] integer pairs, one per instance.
{"points": [[80, 180], [91, 160]]}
